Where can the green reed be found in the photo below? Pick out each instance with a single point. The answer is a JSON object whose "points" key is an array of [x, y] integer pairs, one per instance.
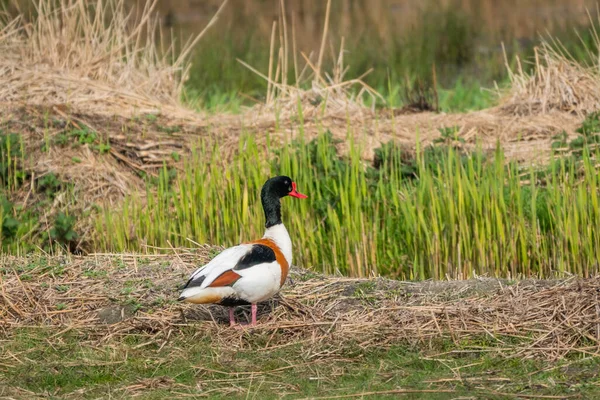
{"points": [[453, 216]]}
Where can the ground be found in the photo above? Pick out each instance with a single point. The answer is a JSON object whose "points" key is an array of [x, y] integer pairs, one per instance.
{"points": [[109, 326]]}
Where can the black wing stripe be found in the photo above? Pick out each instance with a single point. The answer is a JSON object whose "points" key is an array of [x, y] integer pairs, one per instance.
{"points": [[258, 254], [193, 282]]}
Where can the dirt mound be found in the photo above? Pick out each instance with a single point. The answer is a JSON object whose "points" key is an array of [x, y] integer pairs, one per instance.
{"points": [[104, 157], [99, 160], [141, 145], [111, 295], [525, 138]]}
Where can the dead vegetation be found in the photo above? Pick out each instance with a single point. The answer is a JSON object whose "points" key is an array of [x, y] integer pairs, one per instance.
{"points": [[99, 58], [103, 71], [557, 84], [109, 296], [68, 55]]}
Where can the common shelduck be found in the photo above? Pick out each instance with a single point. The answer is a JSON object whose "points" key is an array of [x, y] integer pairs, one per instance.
{"points": [[250, 272]]}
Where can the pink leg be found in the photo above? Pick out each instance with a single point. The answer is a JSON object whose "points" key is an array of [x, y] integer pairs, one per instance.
{"points": [[254, 308], [231, 317]]}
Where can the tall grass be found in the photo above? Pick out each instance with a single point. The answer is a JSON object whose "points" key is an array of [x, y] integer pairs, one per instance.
{"points": [[447, 215], [16, 225]]}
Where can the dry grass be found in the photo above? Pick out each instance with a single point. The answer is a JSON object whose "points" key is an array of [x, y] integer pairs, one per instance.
{"points": [[74, 64], [101, 294], [329, 95], [557, 84], [91, 57]]}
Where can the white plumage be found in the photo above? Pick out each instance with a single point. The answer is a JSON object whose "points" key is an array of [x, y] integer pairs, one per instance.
{"points": [[224, 261]]}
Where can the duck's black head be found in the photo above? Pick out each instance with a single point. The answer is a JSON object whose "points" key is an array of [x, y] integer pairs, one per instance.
{"points": [[273, 190], [281, 186]]}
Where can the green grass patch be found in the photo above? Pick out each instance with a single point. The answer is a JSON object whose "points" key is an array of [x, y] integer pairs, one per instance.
{"points": [[12, 153], [187, 365]]}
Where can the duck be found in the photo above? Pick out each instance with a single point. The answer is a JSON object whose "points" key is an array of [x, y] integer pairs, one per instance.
{"points": [[251, 272]]}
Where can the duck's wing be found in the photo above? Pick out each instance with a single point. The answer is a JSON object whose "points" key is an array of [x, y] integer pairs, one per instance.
{"points": [[231, 264], [223, 262]]}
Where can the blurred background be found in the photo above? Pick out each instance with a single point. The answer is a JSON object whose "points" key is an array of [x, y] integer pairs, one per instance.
{"points": [[403, 40]]}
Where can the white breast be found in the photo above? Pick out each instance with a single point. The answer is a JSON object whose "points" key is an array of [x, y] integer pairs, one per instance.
{"points": [[281, 237]]}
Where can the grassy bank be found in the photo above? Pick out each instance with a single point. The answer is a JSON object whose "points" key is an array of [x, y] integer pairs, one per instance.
{"points": [[132, 366], [444, 213]]}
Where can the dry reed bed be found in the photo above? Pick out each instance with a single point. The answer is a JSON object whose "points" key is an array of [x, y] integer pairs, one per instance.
{"points": [[138, 145], [525, 139], [98, 296], [99, 58]]}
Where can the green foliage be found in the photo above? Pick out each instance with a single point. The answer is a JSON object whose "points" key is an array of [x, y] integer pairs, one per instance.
{"points": [[440, 214], [62, 288], [49, 184], [9, 223], [165, 178], [62, 231], [17, 227], [83, 136], [467, 94], [79, 137], [576, 153], [11, 156], [389, 156], [588, 139], [62, 139], [449, 136], [102, 148], [560, 141], [21, 230], [590, 126]]}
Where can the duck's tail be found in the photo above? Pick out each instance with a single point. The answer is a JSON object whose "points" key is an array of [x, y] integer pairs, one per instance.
{"points": [[207, 295]]}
